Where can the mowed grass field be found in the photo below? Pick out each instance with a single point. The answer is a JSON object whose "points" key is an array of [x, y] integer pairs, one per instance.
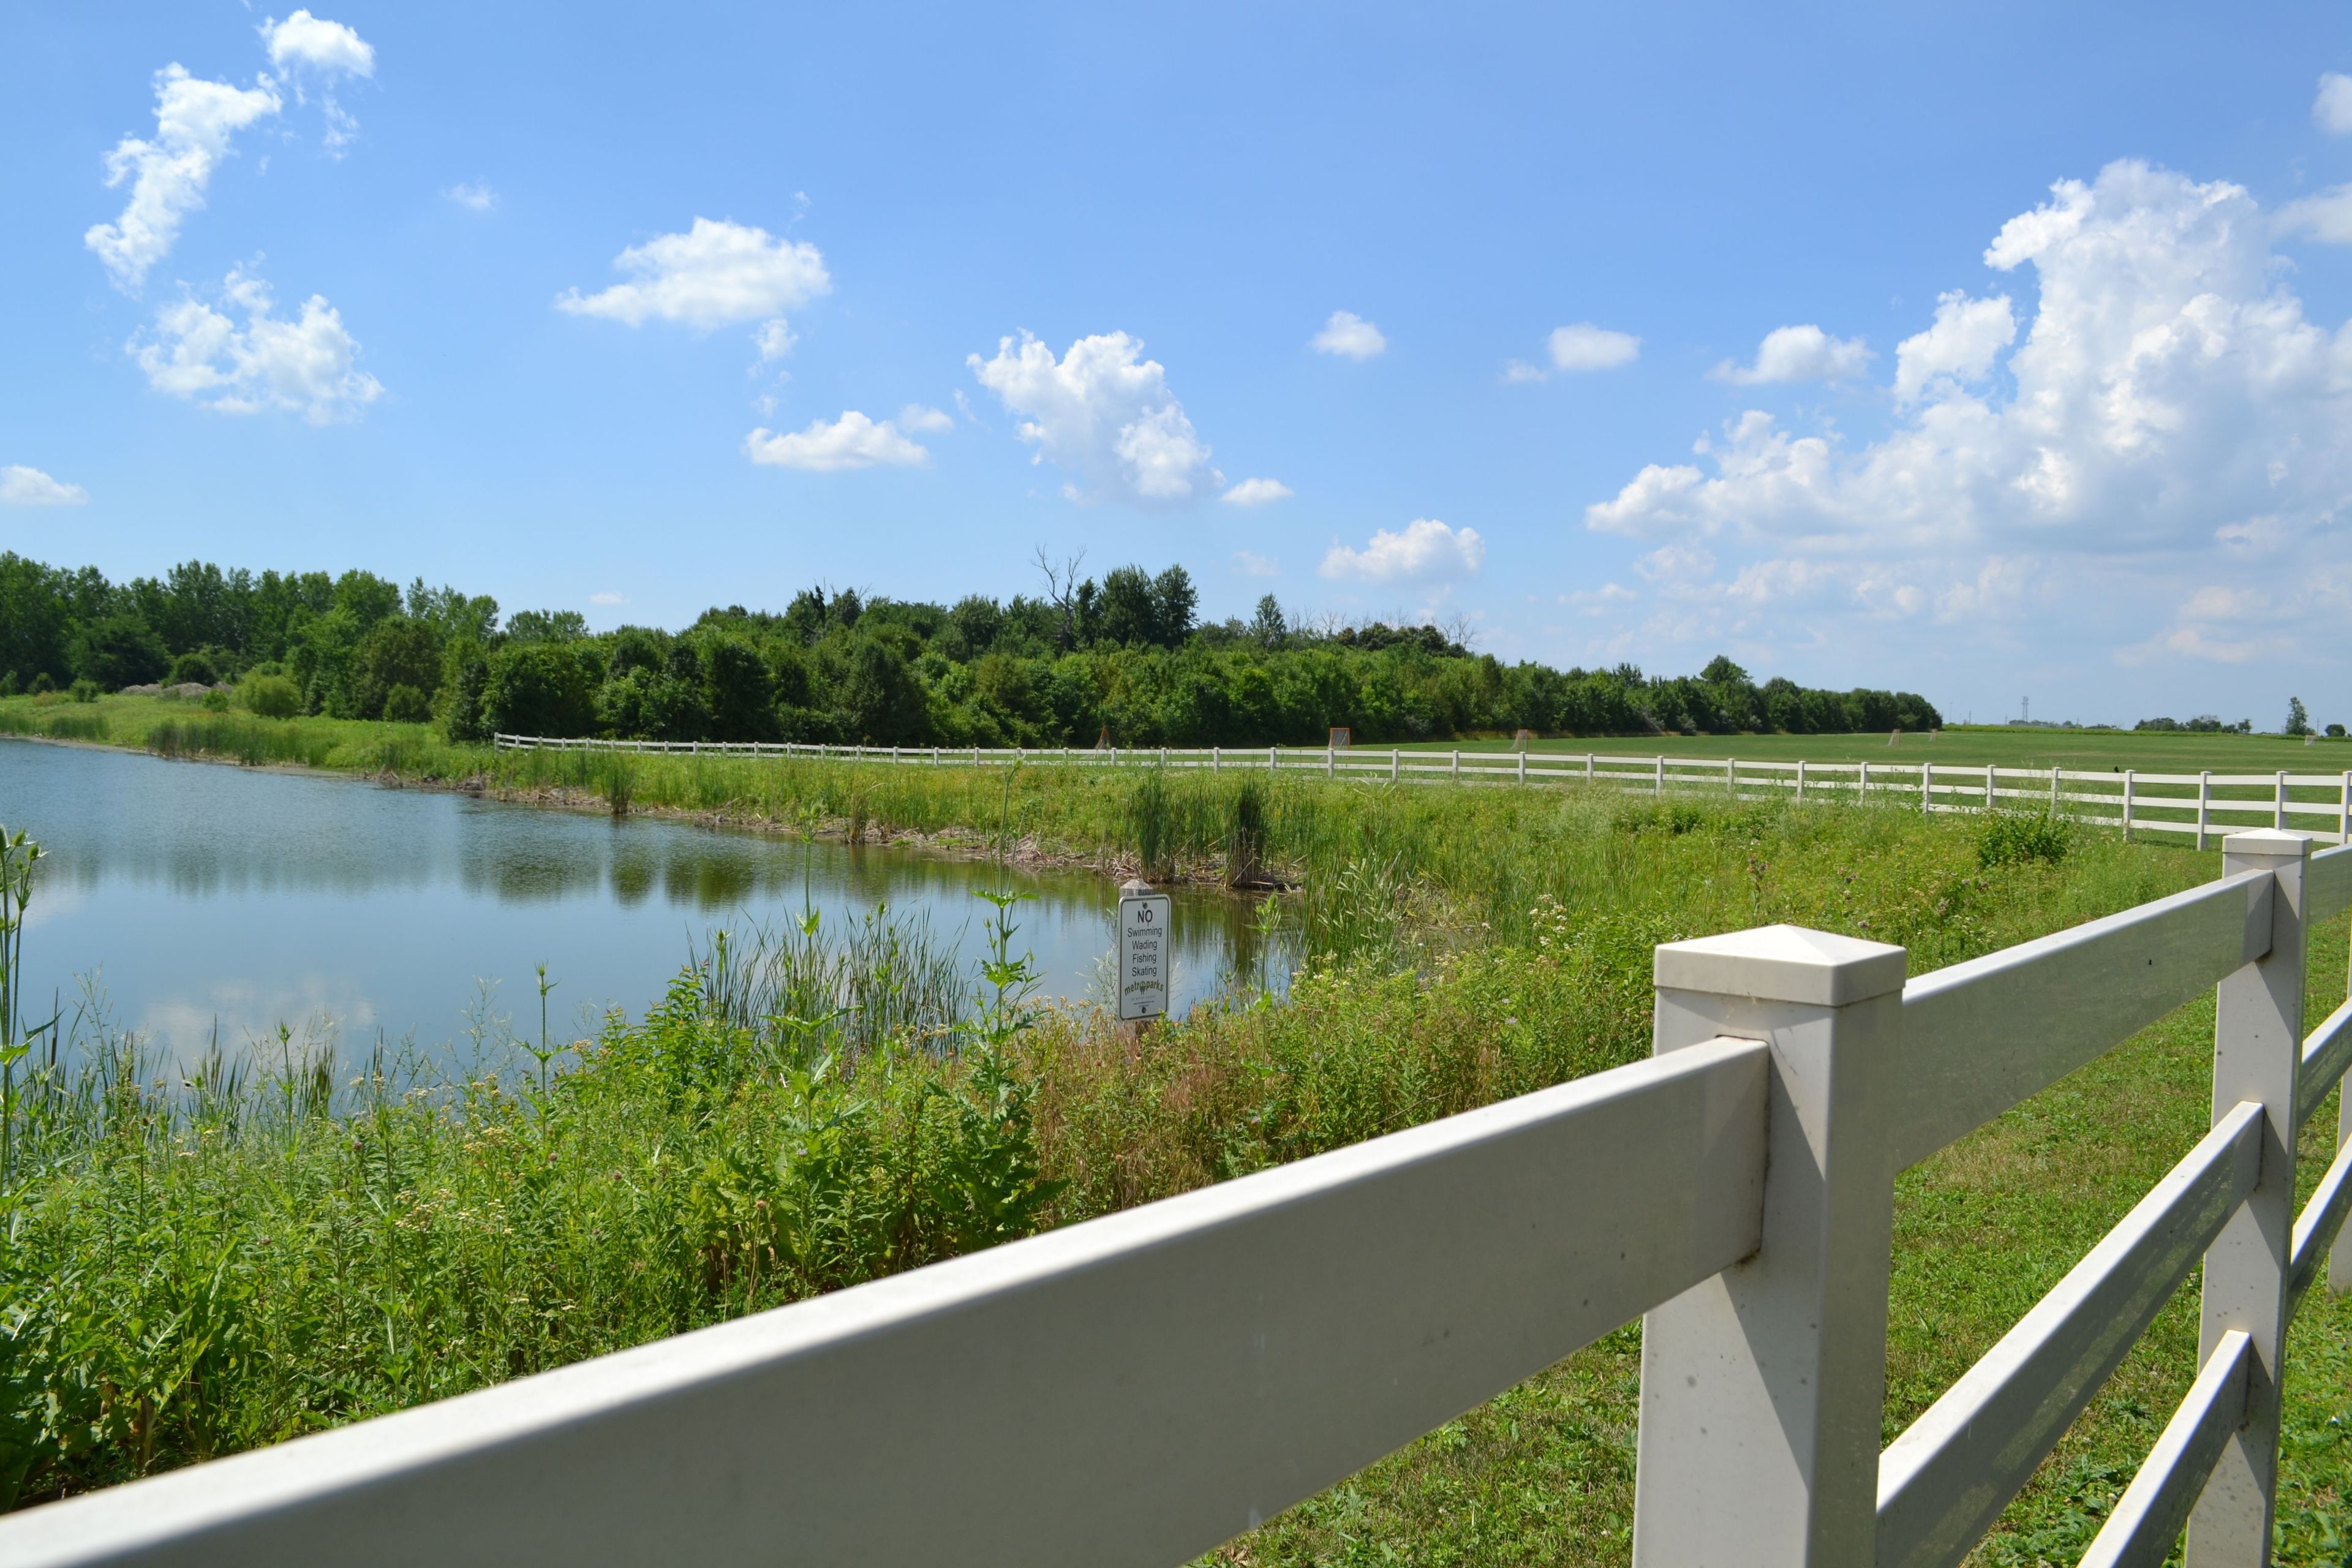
{"points": [[2098, 751]]}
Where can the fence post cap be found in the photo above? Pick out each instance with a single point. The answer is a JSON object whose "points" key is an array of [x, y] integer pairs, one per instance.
{"points": [[2269, 842], [1783, 963]]}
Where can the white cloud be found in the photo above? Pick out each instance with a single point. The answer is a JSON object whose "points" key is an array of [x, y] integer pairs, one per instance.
{"points": [[1599, 601], [1798, 354], [1577, 347], [925, 420], [21, 486], [1425, 551], [1256, 492], [1249, 563], [1584, 346], [304, 45], [1350, 336], [303, 366], [717, 274], [194, 122], [1103, 415], [2174, 431], [1960, 348], [607, 599], [774, 339], [2325, 217], [474, 196], [852, 441], [2332, 110], [328, 47]]}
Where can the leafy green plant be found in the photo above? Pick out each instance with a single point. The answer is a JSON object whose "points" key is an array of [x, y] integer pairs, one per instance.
{"points": [[270, 695], [2011, 838], [86, 690]]}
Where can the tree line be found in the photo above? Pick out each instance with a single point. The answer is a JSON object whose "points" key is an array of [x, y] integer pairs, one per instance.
{"points": [[1125, 657]]}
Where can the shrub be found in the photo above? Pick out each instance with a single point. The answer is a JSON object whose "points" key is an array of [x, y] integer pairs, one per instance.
{"points": [[197, 667], [85, 689], [2014, 838], [270, 695], [404, 704], [215, 701]]}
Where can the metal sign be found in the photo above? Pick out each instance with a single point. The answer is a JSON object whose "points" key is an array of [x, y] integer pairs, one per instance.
{"points": [[1143, 951]]}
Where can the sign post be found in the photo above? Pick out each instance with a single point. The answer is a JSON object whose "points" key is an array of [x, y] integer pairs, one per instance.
{"points": [[1143, 952]]}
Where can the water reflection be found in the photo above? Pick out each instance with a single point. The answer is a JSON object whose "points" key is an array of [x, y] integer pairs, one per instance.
{"points": [[218, 895]]}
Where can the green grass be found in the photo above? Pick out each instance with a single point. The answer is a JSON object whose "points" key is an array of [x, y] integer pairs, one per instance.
{"points": [[175, 728], [2099, 751], [205, 1266]]}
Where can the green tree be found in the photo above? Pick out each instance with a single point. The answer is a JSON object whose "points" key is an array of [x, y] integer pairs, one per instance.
{"points": [[2298, 720], [118, 650], [540, 688], [399, 651]]}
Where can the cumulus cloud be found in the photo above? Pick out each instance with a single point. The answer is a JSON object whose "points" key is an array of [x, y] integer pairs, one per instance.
{"points": [[1579, 347], [2332, 110], [303, 41], [195, 121], [852, 441], [717, 274], [21, 486], [2325, 217], [1251, 565], [774, 339], [1798, 354], [1349, 336], [1959, 350], [473, 195], [1584, 346], [1104, 416], [304, 364], [2172, 422], [925, 420], [1256, 492], [1427, 551], [311, 47], [606, 599]]}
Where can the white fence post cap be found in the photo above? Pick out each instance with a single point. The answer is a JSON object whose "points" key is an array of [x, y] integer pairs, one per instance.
{"points": [[1782, 963], [2268, 841]]}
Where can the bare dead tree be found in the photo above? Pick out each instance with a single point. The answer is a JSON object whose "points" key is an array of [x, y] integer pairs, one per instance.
{"points": [[1062, 590]]}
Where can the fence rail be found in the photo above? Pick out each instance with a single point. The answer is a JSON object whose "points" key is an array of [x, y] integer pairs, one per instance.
{"points": [[2202, 805], [1136, 1389]]}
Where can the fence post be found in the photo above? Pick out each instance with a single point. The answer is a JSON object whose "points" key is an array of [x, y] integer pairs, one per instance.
{"points": [[1273, 758], [1800, 778], [1455, 770], [2257, 1053], [2204, 805], [1331, 762], [1762, 1388], [1730, 777], [1587, 767], [2054, 792], [2129, 775], [1662, 776], [1393, 772], [1992, 787], [2344, 811], [2278, 808], [1926, 788], [1862, 788], [1523, 767]]}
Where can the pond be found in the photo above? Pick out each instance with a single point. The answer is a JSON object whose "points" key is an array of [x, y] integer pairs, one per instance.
{"points": [[211, 901]]}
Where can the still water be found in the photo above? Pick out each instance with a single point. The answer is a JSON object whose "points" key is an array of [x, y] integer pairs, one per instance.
{"points": [[205, 898]]}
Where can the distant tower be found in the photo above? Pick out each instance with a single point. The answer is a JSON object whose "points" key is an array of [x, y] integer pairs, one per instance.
{"points": [[2026, 717]]}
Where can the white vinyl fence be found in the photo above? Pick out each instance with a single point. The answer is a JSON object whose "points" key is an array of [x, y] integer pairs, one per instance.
{"points": [[1129, 1392], [2203, 805]]}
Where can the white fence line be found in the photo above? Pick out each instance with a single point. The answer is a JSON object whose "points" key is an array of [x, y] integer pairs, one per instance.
{"points": [[1134, 1390], [2202, 805]]}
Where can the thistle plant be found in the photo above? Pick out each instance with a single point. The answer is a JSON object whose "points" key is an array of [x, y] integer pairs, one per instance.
{"points": [[18, 853]]}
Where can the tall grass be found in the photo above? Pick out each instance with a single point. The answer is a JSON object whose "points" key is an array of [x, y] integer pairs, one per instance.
{"points": [[191, 1268]]}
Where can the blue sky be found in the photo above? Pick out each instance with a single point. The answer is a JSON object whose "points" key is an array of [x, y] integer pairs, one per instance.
{"points": [[1980, 351]]}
